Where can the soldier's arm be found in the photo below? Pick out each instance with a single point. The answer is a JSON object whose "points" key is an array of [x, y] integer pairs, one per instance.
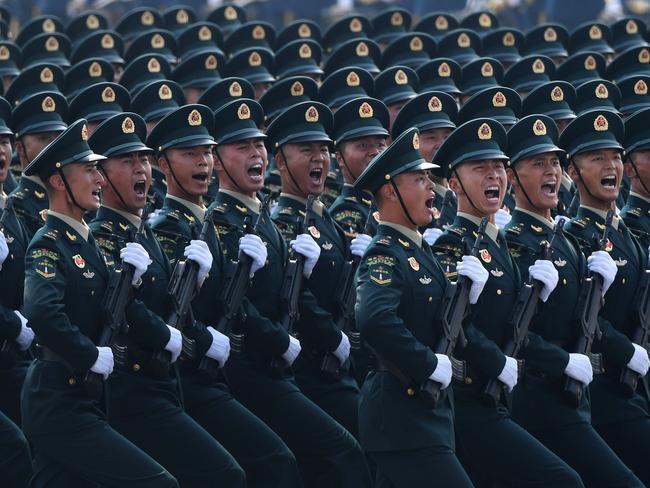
{"points": [[10, 324]]}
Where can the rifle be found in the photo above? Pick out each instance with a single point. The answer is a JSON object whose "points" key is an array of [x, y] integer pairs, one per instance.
{"points": [[455, 307], [629, 378], [590, 303], [291, 289], [9, 349], [522, 315], [443, 205], [182, 289], [234, 291], [114, 302]]}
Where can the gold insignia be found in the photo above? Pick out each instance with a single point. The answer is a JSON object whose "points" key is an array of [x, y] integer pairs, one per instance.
{"points": [[204, 34], [631, 27], [4, 53], [414, 263], [484, 132], [84, 132], [404, 243], [557, 94], [463, 40], [157, 41], [311, 115], [254, 59], [304, 31], [620, 262], [508, 39], [146, 18], [590, 63], [88, 274], [40, 195], [365, 110], [355, 25], [396, 19], [241, 208], [600, 123], [401, 78], [434, 105], [51, 44], [484, 20], [108, 95], [92, 22], [297, 90], [48, 25], [609, 246], [444, 71], [128, 127], [595, 33], [539, 128], [485, 255], [327, 246], [352, 79], [235, 89], [211, 62], [416, 44], [537, 228], [258, 33], [315, 233], [425, 280], [194, 118], [416, 141], [72, 237], [189, 217], [601, 91], [48, 104], [644, 56], [442, 23], [362, 49], [230, 13], [305, 51], [487, 70], [499, 100], [47, 76], [497, 273], [538, 67], [550, 35], [182, 16], [107, 42], [95, 69], [164, 92], [244, 112], [560, 263], [153, 66], [640, 88], [43, 267]]}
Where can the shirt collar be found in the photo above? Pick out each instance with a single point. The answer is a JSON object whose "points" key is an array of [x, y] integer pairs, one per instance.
{"points": [[547, 223], [440, 190], [79, 227], [133, 219], [318, 205], [198, 211], [34, 179], [253, 204], [413, 235], [492, 231], [3, 200]]}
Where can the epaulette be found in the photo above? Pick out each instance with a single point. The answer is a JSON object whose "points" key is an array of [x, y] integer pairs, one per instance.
{"points": [[515, 229], [221, 208], [286, 211], [582, 223], [52, 234], [636, 211], [173, 214], [459, 231], [20, 194], [384, 241], [107, 226]]}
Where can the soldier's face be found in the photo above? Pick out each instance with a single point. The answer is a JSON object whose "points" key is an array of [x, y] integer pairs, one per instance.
{"points": [[245, 162], [393, 110], [355, 154], [431, 140], [85, 182], [192, 94], [540, 177], [416, 189], [484, 182], [561, 125], [601, 172], [5, 157], [260, 89], [130, 174], [308, 163], [30, 145], [192, 167], [641, 160]]}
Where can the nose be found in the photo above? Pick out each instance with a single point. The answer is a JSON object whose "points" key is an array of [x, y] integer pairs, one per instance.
{"points": [[99, 178]]}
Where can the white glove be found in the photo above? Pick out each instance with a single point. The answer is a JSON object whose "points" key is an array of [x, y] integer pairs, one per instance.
{"points": [[4, 248], [342, 352], [471, 268], [304, 244], [359, 244], [26, 334], [501, 218], [639, 361], [561, 218], [292, 351], [175, 343], [442, 373], [509, 374], [104, 364], [579, 368], [220, 348], [431, 235], [199, 252], [254, 248], [152, 216], [135, 255], [545, 272], [602, 263]]}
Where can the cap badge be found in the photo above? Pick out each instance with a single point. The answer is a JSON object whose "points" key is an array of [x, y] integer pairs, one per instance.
{"points": [[95, 69], [508, 39], [164, 92], [255, 59], [48, 25], [601, 91], [631, 27], [538, 67], [362, 49], [157, 41], [444, 71], [46, 75], [352, 79], [442, 23], [487, 70], [108, 95], [600, 123], [539, 128], [434, 104], [590, 63], [644, 56], [297, 90], [396, 19], [230, 13], [401, 78], [211, 62], [205, 34], [51, 44], [107, 42], [92, 22], [243, 112], [153, 66], [4, 53], [416, 44], [550, 35], [235, 89], [557, 95], [640, 88], [48, 104], [355, 25], [304, 31], [258, 33], [84, 132], [499, 100], [128, 127], [311, 115], [416, 141], [182, 17], [484, 132], [194, 118], [305, 51], [146, 18], [484, 20], [595, 33], [463, 40], [366, 111]]}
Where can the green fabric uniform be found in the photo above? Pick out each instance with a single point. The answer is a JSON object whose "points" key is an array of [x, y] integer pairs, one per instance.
{"points": [[30, 203], [351, 209], [158, 188], [327, 454], [445, 207], [264, 457], [538, 404], [340, 399], [636, 215]]}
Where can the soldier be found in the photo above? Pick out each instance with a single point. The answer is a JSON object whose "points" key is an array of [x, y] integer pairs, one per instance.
{"points": [[137, 386], [400, 288], [593, 146], [184, 151], [198, 72], [472, 158], [99, 102], [539, 405], [65, 280], [328, 455]]}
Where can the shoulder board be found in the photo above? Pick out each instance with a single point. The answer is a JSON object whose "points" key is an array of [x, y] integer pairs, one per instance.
{"points": [[515, 229], [459, 231], [286, 211], [52, 234], [20, 194], [173, 214], [635, 211], [221, 208], [384, 241], [107, 226], [582, 223]]}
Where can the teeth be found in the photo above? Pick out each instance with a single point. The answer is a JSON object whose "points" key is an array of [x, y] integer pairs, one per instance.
{"points": [[493, 188]]}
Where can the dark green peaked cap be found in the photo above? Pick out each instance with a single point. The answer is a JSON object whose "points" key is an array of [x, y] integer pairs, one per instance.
{"points": [[581, 67], [390, 24], [597, 129], [47, 48], [304, 122], [597, 95], [287, 92], [137, 21], [634, 93], [10, 59], [480, 74], [532, 135], [633, 61], [143, 70], [529, 73], [199, 70], [99, 101], [547, 39], [255, 34], [504, 44], [199, 37], [157, 99], [228, 17], [344, 85], [437, 24], [555, 99], [482, 22], [628, 32], [42, 112], [361, 53], [440, 74], [226, 90], [592, 37], [178, 17], [35, 79], [429, 110], [86, 73], [238, 120], [461, 45], [188, 126], [346, 29], [298, 30], [120, 134], [155, 41], [396, 84], [499, 103], [301, 57], [637, 131], [39, 25], [254, 64], [105, 44], [360, 117], [85, 24], [412, 49]]}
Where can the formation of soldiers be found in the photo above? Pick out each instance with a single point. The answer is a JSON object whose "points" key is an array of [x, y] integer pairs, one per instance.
{"points": [[389, 253]]}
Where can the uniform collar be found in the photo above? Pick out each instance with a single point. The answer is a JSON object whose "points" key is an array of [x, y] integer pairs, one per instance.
{"points": [[413, 235], [566, 181], [492, 231], [199, 212], [34, 179], [318, 205], [440, 190], [133, 219], [603, 215], [79, 227], [640, 197], [253, 204], [547, 223], [3, 200]]}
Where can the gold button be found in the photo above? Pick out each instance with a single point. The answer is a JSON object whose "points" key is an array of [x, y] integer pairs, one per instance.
{"points": [[410, 392], [153, 278], [72, 381], [499, 291], [623, 281], [92, 292], [333, 263], [430, 299], [564, 281], [136, 367], [468, 381]]}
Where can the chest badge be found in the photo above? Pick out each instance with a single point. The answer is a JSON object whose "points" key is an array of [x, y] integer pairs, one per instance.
{"points": [[327, 246], [485, 255], [425, 280], [620, 262], [560, 263], [315, 233], [497, 273], [9, 239], [88, 274], [414, 263], [79, 261]]}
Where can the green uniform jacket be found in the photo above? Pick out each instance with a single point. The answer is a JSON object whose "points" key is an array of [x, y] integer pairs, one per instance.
{"points": [[609, 405], [30, 201], [351, 209], [400, 287], [636, 215], [158, 188]]}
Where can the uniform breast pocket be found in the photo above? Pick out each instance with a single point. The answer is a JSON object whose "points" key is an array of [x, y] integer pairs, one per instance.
{"points": [[87, 284]]}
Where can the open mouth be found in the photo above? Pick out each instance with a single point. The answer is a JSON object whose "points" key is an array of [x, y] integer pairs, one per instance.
{"points": [[96, 194], [316, 175], [140, 188], [429, 203], [548, 188], [201, 177], [255, 171], [609, 182], [492, 193]]}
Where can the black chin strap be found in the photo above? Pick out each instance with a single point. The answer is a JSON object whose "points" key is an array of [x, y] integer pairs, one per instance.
{"points": [[629, 158], [216, 151], [68, 189], [401, 202], [573, 163], [171, 169], [354, 177], [103, 170], [465, 191], [522, 187], [286, 164]]}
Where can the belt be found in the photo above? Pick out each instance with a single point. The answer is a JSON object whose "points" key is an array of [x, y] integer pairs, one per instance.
{"points": [[46, 354]]}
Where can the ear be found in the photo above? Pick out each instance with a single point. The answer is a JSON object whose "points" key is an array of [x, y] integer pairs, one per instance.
{"points": [[511, 177], [279, 161], [56, 182], [162, 163], [629, 170], [387, 193], [572, 172], [455, 186]]}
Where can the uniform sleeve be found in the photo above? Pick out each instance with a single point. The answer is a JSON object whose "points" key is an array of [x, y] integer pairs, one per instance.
{"points": [[10, 324]]}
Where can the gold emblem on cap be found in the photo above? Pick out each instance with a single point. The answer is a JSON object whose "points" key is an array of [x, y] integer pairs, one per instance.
{"points": [[92, 22], [401, 78], [538, 67], [153, 66], [230, 13], [355, 25], [108, 95], [352, 79], [640, 88], [601, 91], [305, 51], [311, 115], [182, 16], [484, 20], [485, 132], [463, 40], [631, 27], [557, 94], [48, 25], [590, 63], [550, 35], [396, 19], [366, 111], [416, 44], [644, 56], [244, 112], [51, 44], [235, 89], [304, 31], [95, 69], [107, 42], [434, 104], [128, 127], [146, 18], [211, 62], [487, 70], [416, 141], [48, 104], [508, 39], [164, 92], [194, 118], [157, 41], [441, 23], [297, 90], [362, 49], [4, 53], [444, 71], [595, 33], [84, 132], [600, 123], [539, 128], [258, 32], [204, 34], [254, 59], [46, 75], [499, 100]]}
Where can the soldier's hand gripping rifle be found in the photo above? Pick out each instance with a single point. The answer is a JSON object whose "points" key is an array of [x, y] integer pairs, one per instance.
{"points": [[182, 289], [455, 308], [522, 315], [9, 349], [117, 296], [589, 306], [291, 289]]}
